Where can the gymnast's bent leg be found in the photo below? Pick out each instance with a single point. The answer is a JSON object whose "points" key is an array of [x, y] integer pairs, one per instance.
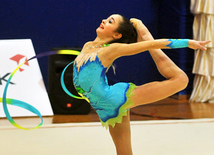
{"points": [[176, 80]]}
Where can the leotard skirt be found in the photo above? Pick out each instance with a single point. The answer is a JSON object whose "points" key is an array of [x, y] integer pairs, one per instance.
{"points": [[111, 102]]}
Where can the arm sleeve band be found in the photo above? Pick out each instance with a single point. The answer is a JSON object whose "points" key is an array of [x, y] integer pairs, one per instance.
{"points": [[178, 43]]}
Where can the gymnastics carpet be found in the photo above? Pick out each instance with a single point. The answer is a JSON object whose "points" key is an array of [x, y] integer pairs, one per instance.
{"points": [[162, 137]]}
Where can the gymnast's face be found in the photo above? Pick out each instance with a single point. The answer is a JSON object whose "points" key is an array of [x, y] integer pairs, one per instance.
{"points": [[109, 26]]}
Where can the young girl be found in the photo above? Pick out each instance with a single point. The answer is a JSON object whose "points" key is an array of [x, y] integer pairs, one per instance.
{"points": [[117, 37]]}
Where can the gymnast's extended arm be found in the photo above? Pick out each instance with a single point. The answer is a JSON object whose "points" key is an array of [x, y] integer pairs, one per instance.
{"points": [[135, 48]]}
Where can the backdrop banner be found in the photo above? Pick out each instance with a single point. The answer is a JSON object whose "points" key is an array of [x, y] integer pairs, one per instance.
{"points": [[27, 84]]}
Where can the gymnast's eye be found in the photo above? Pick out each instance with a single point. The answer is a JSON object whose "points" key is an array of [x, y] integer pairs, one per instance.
{"points": [[111, 21]]}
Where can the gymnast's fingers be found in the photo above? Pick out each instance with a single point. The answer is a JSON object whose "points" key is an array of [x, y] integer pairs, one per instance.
{"points": [[203, 43]]}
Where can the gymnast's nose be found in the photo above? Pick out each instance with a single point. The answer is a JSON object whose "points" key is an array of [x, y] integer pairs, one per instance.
{"points": [[104, 21]]}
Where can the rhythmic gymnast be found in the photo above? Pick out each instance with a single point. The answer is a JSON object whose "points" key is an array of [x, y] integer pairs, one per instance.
{"points": [[117, 37]]}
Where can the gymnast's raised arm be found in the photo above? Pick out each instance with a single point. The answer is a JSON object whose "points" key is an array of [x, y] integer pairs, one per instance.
{"points": [[135, 48]]}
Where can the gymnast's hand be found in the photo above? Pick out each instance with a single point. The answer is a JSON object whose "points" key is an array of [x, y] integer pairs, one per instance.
{"points": [[193, 44], [143, 32]]}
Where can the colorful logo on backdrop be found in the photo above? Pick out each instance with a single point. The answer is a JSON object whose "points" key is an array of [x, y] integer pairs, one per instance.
{"points": [[19, 59]]}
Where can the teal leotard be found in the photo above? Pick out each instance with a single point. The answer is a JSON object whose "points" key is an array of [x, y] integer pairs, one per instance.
{"points": [[110, 102]]}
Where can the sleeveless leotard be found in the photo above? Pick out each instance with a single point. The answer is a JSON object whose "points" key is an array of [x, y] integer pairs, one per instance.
{"points": [[110, 102]]}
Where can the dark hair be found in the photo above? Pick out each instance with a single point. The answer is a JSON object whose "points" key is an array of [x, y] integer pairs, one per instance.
{"points": [[129, 33]]}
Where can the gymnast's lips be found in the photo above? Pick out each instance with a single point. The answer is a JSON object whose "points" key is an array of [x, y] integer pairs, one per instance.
{"points": [[101, 26]]}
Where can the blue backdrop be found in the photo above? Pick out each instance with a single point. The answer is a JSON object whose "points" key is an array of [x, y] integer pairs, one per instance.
{"points": [[71, 23]]}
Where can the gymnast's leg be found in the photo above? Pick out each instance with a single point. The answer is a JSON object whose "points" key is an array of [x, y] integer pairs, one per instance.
{"points": [[176, 80], [121, 135]]}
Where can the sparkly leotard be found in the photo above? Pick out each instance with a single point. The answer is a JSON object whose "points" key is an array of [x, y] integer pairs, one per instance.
{"points": [[110, 102]]}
